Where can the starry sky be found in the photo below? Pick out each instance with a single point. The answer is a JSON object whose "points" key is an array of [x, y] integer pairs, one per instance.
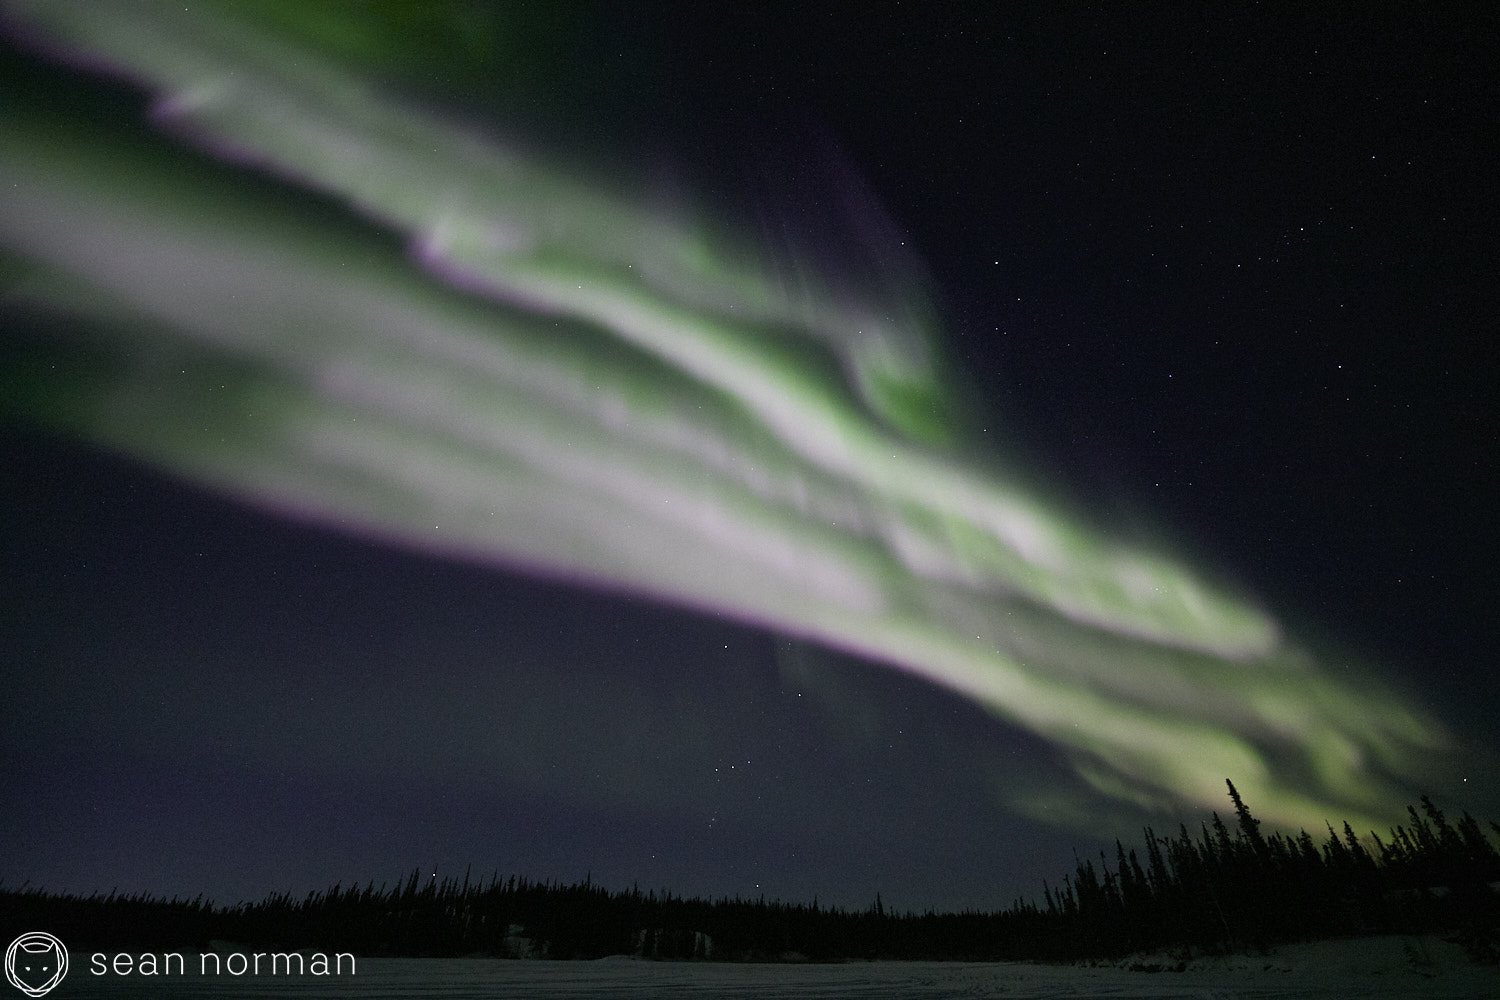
{"points": [[1220, 280]]}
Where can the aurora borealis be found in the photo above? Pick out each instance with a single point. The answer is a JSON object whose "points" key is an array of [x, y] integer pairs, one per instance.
{"points": [[503, 357]]}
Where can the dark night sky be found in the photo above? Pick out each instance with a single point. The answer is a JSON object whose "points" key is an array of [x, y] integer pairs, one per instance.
{"points": [[1223, 273]]}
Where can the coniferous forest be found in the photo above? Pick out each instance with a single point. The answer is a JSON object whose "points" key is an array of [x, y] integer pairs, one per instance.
{"points": [[1224, 887]]}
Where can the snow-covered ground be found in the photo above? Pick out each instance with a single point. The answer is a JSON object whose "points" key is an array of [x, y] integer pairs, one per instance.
{"points": [[1367, 969]]}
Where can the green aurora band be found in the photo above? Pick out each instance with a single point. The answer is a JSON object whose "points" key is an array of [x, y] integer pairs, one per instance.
{"points": [[557, 377]]}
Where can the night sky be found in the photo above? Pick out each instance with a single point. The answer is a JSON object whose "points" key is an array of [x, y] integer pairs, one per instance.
{"points": [[1222, 279]]}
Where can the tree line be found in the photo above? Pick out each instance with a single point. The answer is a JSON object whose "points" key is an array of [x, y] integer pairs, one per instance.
{"points": [[1220, 888]]}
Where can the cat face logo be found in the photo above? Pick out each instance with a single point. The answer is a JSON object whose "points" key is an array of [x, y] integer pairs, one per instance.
{"points": [[36, 962]]}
